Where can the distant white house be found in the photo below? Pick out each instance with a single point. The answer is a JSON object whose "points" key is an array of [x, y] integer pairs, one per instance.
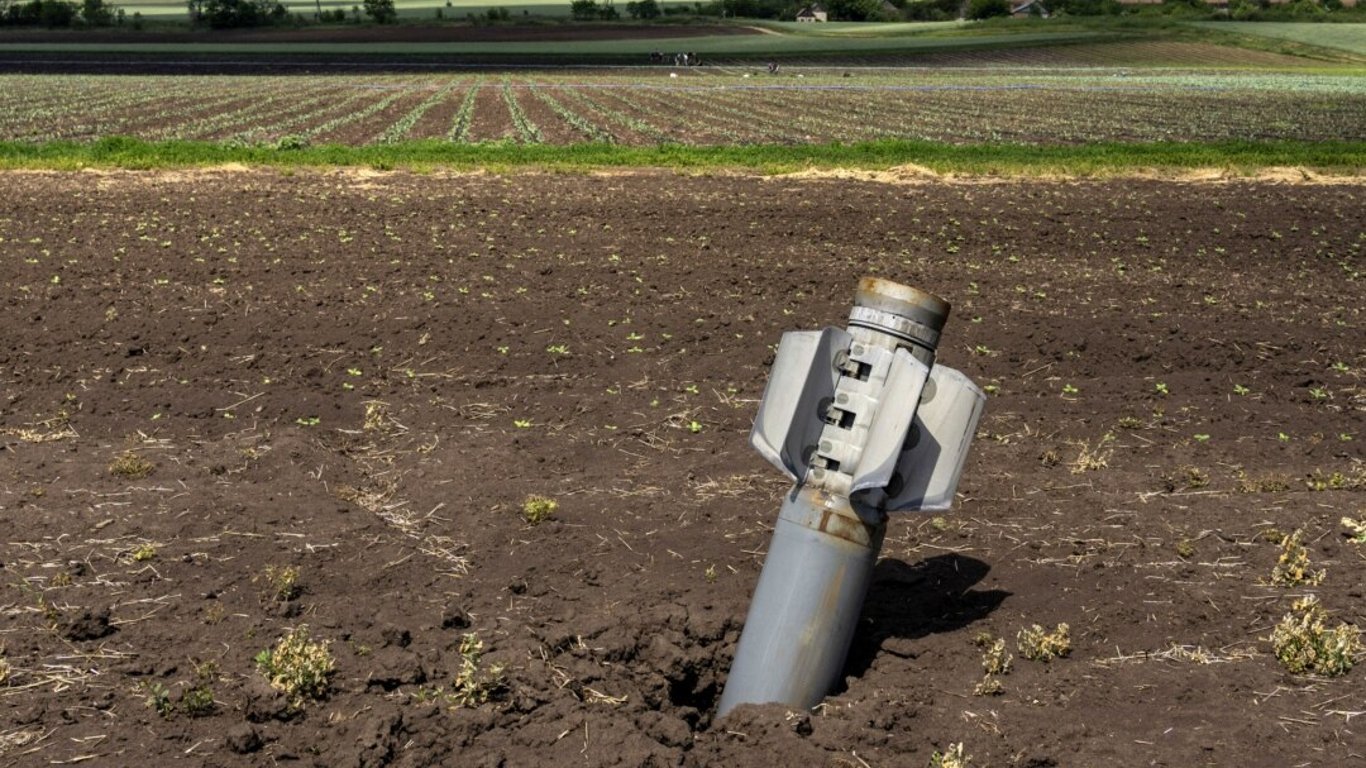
{"points": [[812, 13]]}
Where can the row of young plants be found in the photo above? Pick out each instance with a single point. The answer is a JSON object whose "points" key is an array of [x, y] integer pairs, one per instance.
{"points": [[711, 110]]}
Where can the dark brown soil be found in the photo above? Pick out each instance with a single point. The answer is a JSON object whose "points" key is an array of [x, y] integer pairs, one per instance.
{"points": [[363, 377]]}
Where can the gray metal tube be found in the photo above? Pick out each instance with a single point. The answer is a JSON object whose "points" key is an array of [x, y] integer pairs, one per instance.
{"points": [[807, 603], [847, 412]]}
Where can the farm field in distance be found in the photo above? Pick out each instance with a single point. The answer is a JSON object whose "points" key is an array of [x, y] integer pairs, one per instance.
{"points": [[1066, 96], [441, 457]]}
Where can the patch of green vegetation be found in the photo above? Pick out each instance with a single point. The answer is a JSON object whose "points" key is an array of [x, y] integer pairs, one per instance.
{"points": [[1038, 644], [1293, 567], [1002, 159], [538, 509], [302, 669], [1303, 642]]}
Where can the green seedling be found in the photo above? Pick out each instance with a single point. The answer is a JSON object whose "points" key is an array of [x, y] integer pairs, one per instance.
{"points": [[475, 683], [1356, 530]]}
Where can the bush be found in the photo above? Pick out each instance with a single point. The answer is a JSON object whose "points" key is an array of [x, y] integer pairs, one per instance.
{"points": [[643, 9], [97, 13], [228, 14], [381, 11], [931, 10]]}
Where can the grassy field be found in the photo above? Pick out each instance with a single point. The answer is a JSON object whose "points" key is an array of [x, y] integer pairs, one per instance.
{"points": [[1346, 37], [990, 158]]}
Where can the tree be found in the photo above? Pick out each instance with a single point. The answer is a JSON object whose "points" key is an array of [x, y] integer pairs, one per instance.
{"points": [[56, 13], [854, 10], [381, 11], [225, 14], [986, 9], [583, 10], [644, 9], [97, 13]]}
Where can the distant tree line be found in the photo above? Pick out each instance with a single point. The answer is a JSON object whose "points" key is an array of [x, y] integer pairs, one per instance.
{"points": [[59, 13], [227, 14], [943, 10]]}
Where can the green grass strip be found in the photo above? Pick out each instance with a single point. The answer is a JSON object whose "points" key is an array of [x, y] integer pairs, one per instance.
{"points": [[1341, 157]]}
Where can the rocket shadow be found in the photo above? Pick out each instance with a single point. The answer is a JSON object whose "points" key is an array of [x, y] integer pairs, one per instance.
{"points": [[913, 601]]}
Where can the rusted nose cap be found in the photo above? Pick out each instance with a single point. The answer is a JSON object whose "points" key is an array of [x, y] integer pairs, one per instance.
{"points": [[921, 306]]}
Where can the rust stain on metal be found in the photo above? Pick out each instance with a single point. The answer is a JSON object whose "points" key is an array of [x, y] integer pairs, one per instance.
{"points": [[839, 526]]}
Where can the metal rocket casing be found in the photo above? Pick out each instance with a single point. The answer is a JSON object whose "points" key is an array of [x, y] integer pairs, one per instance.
{"points": [[904, 430], [865, 424]]}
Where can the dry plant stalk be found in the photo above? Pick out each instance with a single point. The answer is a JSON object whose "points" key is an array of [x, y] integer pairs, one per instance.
{"points": [[1292, 568], [130, 466], [1090, 459]]}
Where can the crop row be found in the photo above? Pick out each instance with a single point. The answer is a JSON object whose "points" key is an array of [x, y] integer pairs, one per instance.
{"points": [[722, 107]]}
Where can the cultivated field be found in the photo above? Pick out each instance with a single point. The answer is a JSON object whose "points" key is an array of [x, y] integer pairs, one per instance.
{"points": [[236, 404], [1064, 97], [1347, 37]]}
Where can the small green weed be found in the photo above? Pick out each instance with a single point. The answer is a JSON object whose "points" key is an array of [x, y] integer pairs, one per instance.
{"points": [[995, 658], [281, 582], [159, 699], [538, 509], [951, 757], [1304, 643], [475, 683], [144, 552], [1292, 568], [996, 661], [300, 668], [1037, 644], [1356, 530]]}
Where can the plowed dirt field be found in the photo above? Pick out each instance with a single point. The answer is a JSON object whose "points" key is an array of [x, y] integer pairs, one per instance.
{"points": [[236, 403]]}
